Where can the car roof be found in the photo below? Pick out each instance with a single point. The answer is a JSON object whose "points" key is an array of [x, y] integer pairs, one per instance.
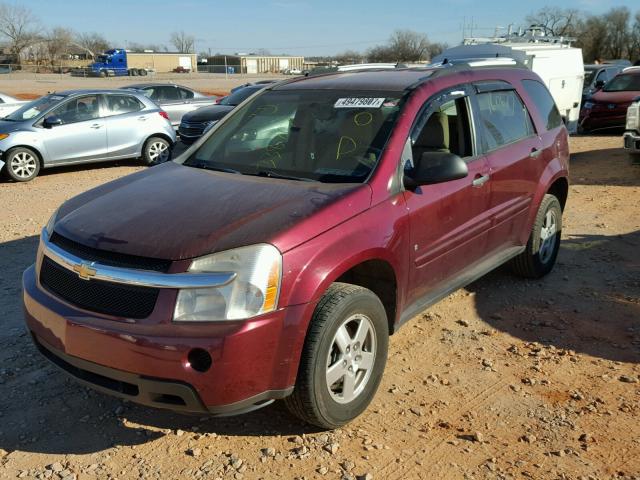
{"points": [[398, 79], [153, 84], [95, 91]]}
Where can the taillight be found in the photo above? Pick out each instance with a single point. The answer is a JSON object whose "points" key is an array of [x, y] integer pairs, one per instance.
{"points": [[164, 114]]}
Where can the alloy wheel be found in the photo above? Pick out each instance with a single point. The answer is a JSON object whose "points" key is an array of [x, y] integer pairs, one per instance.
{"points": [[158, 151], [351, 358], [548, 236], [23, 164]]}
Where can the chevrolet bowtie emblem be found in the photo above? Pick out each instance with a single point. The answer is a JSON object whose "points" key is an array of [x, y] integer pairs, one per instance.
{"points": [[84, 270]]}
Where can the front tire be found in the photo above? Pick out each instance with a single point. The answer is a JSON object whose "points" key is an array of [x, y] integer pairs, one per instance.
{"points": [[343, 357], [22, 164], [156, 150], [541, 251]]}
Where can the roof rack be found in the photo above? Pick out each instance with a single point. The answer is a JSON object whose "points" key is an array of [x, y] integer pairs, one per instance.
{"points": [[634, 68]]}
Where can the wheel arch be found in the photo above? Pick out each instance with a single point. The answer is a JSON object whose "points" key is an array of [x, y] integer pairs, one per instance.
{"points": [[560, 189], [33, 149]]}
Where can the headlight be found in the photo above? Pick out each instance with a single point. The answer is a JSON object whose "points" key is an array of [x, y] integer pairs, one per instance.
{"points": [[588, 105], [3, 136], [253, 291], [52, 220], [633, 117]]}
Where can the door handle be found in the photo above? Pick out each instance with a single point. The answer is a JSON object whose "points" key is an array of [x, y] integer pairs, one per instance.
{"points": [[535, 153], [95, 126], [142, 119], [480, 180]]}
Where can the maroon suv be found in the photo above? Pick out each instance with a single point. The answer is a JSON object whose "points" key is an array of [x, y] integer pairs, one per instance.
{"points": [[275, 257], [607, 108]]}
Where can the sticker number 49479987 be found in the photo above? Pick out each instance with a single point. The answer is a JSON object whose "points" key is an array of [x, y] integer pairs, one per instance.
{"points": [[359, 103]]}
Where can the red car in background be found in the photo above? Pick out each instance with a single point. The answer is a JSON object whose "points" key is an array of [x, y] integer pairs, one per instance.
{"points": [[607, 108]]}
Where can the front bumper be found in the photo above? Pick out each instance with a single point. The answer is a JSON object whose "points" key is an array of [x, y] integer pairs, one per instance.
{"points": [[253, 361], [632, 142], [596, 120]]}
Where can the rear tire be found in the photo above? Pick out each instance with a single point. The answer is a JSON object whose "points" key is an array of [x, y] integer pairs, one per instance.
{"points": [[102, 74], [22, 164], [541, 251], [343, 357], [142, 72], [156, 150]]}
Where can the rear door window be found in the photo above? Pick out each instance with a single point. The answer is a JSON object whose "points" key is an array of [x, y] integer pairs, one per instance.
{"points": [[502, 118], [169, 94], [121, 104], [544, 103], [184, 93]]}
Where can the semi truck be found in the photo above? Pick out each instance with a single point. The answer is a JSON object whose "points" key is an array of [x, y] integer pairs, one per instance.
{"points": [[113, 63]]}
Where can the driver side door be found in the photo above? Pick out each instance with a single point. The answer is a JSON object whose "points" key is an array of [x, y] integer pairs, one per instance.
{"points": [[449, 221], [82, 134]]}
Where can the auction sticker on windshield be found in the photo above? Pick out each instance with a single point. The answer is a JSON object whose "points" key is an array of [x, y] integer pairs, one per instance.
{"points": [[359, 103]]}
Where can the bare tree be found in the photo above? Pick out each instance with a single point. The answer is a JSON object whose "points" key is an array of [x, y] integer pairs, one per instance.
{"points": [[349, 57], [618, 37], [634, 53], [18, 26], [141, 47], [93, 43], [58, 41], [182, 42], [591, 39], [403, 46], [556, 21]]}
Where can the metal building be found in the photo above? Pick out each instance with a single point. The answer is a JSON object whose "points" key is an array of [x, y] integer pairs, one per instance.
{"points": [[251, 64]]}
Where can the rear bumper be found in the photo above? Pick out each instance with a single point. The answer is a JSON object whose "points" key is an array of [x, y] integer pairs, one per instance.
{"points": [[632, 142], [252, 361]]}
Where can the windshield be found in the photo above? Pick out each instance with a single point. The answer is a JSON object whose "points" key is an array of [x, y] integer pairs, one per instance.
{"points": [[624, 83], [236, 98], [102, 58], [328, 136], [35, 108]]}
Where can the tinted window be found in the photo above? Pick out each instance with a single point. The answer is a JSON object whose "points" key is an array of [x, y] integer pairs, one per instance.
{"points": [[184, 93], [503, 119], [119, 104], [152, 93], [624, 83], [543, 103], [169, 94], [239, 96], [78, 109]]}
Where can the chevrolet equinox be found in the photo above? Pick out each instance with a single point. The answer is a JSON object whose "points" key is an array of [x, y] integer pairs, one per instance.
{"points": [[275, 257]]}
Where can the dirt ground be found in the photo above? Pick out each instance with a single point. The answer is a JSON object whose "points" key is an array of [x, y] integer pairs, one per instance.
{"points": [[505, 379], [30, 85]]}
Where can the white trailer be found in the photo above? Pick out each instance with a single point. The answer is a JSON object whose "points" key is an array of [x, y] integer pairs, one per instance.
{"points": [[559, 65]]}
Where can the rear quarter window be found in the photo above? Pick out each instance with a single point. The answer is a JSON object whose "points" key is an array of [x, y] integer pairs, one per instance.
{"points": [[503, 117], [544, 103]]}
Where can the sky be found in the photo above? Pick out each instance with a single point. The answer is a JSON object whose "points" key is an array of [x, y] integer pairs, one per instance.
{"points": [[296, 27]]}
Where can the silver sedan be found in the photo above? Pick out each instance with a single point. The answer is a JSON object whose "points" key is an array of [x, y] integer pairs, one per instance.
{"points": [[176, 100]]}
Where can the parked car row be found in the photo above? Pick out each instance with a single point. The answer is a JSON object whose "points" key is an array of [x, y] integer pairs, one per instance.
{"points": [[79, 126]]}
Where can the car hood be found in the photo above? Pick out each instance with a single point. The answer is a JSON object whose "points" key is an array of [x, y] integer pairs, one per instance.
{"points": [[7, 126], [204, 114], [175, 212], [619, 98]]}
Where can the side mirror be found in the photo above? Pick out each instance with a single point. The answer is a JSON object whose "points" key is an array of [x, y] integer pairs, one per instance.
{"points": [[435, 167], [599, 84], [51, 122]]}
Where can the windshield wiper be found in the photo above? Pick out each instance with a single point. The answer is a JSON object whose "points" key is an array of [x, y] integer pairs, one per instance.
{"points": [[271, 174], [206, 166]]}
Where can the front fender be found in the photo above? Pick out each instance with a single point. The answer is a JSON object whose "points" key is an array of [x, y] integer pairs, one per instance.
{"points": [[379, 233]]}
